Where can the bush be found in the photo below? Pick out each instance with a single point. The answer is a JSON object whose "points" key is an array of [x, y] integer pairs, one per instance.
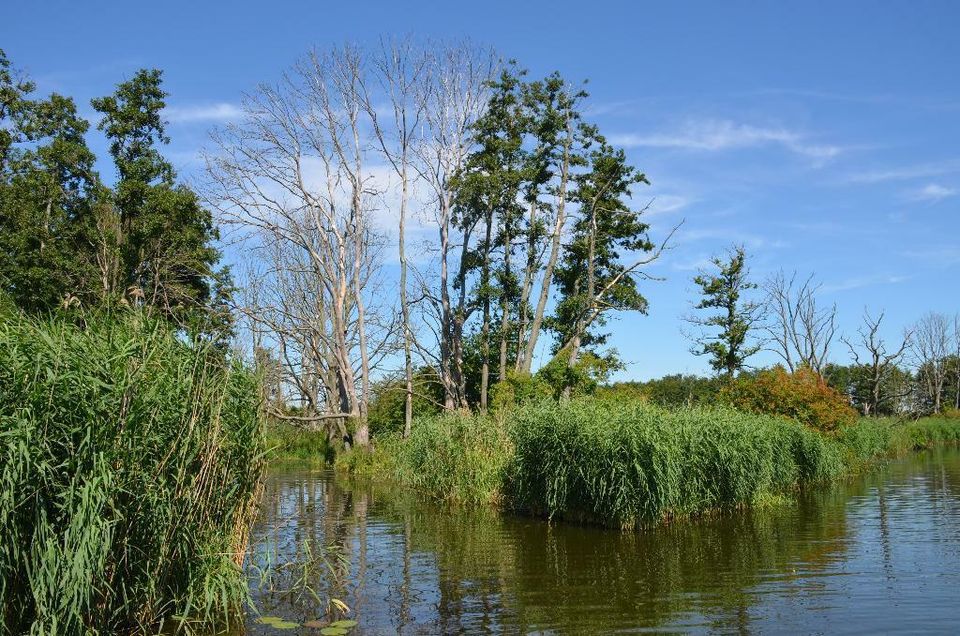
{"points": [[287, 442], [387, 407], [456, 457], [129, 471], [518, 388], [801, 395]]}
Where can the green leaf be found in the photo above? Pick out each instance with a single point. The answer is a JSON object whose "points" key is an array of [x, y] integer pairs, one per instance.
{"points": [[344, 624], [269, 620], [333, 631], [285, 625]]}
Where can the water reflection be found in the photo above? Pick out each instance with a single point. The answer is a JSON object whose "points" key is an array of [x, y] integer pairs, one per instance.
{"points": [[880, 553]]}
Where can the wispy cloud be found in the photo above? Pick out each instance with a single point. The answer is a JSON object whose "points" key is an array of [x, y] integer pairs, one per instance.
{"points": [[904, 173], [667, 203], [715, 135], [937, 256], [863, 281], [730, 236], [932, 193], [219, 112]]}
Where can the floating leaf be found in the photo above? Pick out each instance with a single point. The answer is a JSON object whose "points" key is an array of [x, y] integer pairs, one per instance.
{"points": [[344, 624], [315, 624], [333, 631], [269, 620], [286, 625]]}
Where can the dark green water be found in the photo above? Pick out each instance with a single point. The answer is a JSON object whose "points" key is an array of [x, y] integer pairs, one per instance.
{"points": [[879, 554]]}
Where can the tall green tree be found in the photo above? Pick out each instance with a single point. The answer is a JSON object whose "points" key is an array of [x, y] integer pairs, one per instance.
{"points": [[48, 189], [166, 248], [724, 336], [489, 194], [595, 277]]}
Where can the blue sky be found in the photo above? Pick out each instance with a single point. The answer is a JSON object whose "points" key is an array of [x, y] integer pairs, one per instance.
{"points": [[824, 136]]}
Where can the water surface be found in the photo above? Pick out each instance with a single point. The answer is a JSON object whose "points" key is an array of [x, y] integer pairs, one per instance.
{"points": [[877, 554]]}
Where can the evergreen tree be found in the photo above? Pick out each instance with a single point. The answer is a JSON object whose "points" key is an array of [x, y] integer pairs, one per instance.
{"points": [[723, 291], [592, 278]]}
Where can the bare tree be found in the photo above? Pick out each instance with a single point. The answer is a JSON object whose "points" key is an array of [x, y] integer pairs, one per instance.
{"points": [[293, 176], [799, 329], [878, 361], [956, 360], [401, 74], [455, 98], [930, 347]]}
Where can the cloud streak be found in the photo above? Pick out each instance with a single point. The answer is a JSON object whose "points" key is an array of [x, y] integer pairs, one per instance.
{"points": [[905, 173], [932, 193], [203, 113], [719, 135]]}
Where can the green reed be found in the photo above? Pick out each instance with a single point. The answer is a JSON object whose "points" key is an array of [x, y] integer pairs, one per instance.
{"points": [[130, 464]]}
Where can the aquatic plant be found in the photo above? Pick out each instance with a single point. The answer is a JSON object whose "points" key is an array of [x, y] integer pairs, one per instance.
{"points": [[633, 464], [130, 462]]}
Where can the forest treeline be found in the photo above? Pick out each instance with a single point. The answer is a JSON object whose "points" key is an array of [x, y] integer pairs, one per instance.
{"points": [[415, 224]]}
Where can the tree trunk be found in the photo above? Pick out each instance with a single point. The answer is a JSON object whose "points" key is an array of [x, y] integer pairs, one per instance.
{"points": [[555, 245]]}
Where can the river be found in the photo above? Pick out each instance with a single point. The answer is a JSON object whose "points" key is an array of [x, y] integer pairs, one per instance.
{"points": [[876, 554]]}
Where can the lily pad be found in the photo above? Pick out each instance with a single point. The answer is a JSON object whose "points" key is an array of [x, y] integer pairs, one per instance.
{"points": [[269, 620], [344, 624], [285, 625], [315, 624], [333, 631]]}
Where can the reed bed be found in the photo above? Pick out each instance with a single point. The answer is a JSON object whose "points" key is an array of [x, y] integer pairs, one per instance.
{"points": [[636, 464], [630, 464], [130, 463]]}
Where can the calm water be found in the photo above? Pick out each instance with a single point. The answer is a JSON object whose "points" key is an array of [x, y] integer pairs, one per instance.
{"points": [[877, 555]]}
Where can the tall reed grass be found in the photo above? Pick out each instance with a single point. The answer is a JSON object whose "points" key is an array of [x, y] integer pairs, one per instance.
{"points": [[129, 468], [636, 464], [629, 464]]}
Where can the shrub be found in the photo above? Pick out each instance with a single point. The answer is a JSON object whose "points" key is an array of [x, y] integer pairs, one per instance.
{"points": [[287, 442], [518, 388], [129, 470], [801, 395]]}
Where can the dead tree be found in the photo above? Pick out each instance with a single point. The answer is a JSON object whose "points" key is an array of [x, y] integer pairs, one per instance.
{"points": [[292, 177], [799, 330], [878, 361], [454, 99], [930, 347]]}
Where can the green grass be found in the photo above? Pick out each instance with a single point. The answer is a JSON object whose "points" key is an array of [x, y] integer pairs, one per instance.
{"points": [[456, 458], [630, 464], [286, 443], [130, 465], [635, 464]]}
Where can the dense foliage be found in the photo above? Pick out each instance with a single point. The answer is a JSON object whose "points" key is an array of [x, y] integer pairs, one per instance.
{"points": [[129, 471], [66, 239], [802, 395]]}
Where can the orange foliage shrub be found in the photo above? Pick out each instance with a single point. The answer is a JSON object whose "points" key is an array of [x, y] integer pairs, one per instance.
{"points": [[802, 395]]}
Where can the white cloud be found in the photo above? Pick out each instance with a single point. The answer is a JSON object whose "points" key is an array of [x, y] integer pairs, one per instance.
{"points": [[906, 172], [667, 203], [867, 281], [715, 135], [219, 112], [932, 192]]}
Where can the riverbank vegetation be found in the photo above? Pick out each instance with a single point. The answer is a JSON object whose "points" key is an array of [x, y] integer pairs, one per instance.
{"points": [[630, 464], [131, 442], [130, 463], [131, 432]]}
